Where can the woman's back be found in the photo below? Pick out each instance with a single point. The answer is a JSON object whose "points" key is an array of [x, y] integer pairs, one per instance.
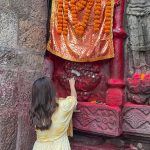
{"points": [[56, 135]]}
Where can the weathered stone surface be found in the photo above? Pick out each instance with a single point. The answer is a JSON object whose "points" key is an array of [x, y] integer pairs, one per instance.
{"points": [[39, 10], [19, 75], [32, 35], [21, 7], [98, 118], [22, 48], [26, 134], [8, 88], [4, 3], [9, 58], [25, 59], [136, 119], [31, 61], [8, 129], [8, 28], [26, 79]]}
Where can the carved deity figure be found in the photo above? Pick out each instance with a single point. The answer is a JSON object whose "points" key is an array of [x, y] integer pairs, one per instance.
{"points": [[138, 18]]}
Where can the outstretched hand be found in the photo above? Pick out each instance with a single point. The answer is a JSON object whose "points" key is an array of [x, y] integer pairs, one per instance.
{"points": [[72, 82]]}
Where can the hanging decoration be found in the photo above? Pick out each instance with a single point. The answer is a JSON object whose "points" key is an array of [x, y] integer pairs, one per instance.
{"points": [[81, 30]]}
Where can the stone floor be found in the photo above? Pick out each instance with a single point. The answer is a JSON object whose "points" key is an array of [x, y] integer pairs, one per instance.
{"points": [[83, 141]]}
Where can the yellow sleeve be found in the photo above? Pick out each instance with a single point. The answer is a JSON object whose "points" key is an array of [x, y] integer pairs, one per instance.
{"points": [[69, 103]]}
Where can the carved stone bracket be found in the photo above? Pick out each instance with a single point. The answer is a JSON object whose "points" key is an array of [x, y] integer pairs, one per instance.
{"points": [[136, 119], [98, 118]]}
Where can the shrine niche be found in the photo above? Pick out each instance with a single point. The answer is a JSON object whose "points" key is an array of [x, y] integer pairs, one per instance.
{"points": [[86, 42], [136, 110]]}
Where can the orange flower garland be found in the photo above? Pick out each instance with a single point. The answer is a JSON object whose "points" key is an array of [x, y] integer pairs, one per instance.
{"points": [[65, 19], [73, 12], [60, 16], [108, 12], [81, 26], [97, 13], [76, 6], [81, 5]]}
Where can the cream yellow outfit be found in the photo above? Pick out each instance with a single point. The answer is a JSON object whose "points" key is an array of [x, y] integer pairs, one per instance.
{"points": [[56, 137]]}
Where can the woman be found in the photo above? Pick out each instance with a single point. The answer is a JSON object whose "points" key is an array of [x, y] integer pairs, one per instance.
{"points": [[51, 117]]}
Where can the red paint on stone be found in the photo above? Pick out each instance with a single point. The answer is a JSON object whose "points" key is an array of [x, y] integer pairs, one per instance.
{"points": [[101, 81], [115, 94], [98, 118]]}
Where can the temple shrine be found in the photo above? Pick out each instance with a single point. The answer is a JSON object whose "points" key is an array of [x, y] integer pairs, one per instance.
{"points": [[103, 44]]}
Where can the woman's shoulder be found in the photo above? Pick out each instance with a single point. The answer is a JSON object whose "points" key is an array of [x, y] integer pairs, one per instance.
{"points": [[68, 99], [67, 103]]}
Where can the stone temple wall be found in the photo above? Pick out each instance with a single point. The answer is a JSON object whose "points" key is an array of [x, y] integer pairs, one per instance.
{"points": [[22, 48]]}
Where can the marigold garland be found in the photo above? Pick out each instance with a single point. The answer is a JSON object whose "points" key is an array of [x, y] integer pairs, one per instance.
{"points": [[80, 27], [108, 12], [60, 16], [73, 12], [81, 5], [97, 13], [76, 6], [65, 19]]}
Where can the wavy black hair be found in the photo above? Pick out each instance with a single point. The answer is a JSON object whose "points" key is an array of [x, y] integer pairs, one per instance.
{"points": [[43, 103]]}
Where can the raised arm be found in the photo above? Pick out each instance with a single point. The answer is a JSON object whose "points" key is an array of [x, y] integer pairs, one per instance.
{"points": [[72, 87]]}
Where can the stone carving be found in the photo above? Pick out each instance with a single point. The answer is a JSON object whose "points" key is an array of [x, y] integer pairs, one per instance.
{"points": [[91, 84], [138, 91], [136, 119], [138, 19], [98, 118]]}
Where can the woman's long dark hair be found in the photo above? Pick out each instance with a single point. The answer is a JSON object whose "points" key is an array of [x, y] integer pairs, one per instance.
{"points": [[43, 103]]}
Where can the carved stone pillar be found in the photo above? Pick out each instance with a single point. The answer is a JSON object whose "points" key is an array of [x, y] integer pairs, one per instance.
{"points": [[115, 93]]}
